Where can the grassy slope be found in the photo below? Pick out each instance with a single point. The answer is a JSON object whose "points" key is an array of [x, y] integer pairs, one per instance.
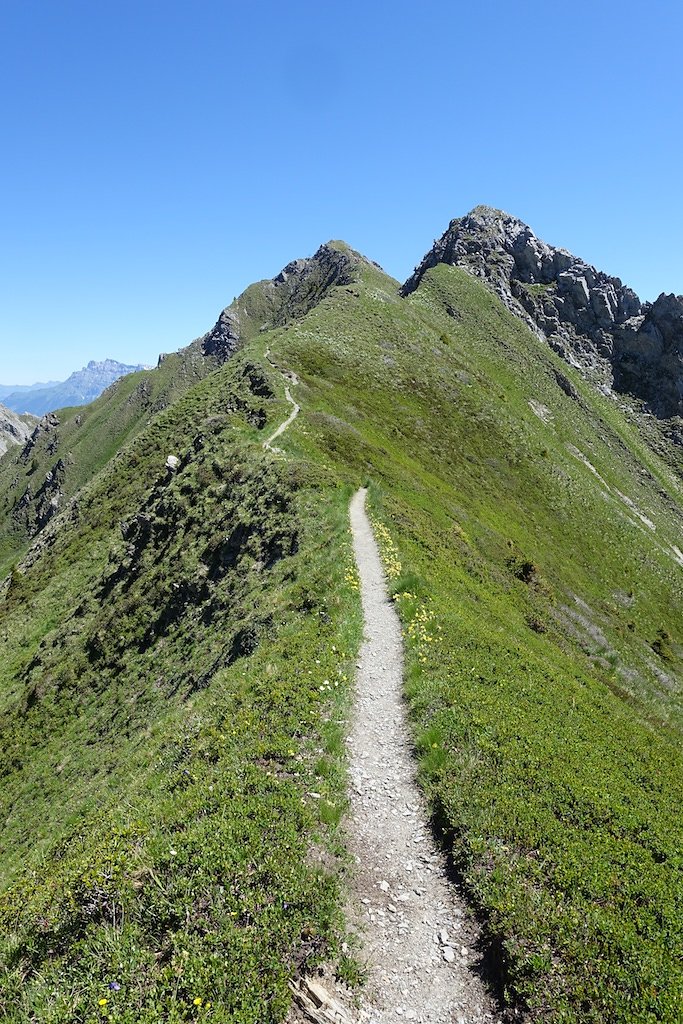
{"points": [[542, 617], [85, 438], [161, 740], [156, 753]]}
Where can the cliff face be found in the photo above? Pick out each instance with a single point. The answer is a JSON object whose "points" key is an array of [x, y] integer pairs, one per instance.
{"points": [[590, 318], [13, 429]]}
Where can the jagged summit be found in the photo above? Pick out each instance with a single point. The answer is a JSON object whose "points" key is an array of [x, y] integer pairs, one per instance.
{"points": [[492, 212], [498, 247], [292, 293], [592, 319]]}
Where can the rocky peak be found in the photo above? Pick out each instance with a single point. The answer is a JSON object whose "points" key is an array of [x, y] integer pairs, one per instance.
{"points": [[302, 284], [111, 366], [292, 293], [590, 318]]}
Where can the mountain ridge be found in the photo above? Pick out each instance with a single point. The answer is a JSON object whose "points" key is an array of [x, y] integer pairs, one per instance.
{"points": [[180, 623], [273, 302], [53, 450]]}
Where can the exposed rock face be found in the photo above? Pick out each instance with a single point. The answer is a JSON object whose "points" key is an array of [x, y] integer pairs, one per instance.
{"points": [[224, 338], [300, 286], [588, 317], [303, 283], [49, 496], [13, 429]]}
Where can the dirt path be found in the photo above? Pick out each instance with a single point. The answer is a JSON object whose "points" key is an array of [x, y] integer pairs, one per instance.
{"points": [[292, 378], [418, 938]]}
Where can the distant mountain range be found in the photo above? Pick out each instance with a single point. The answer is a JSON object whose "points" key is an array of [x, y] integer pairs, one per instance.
{"points": [[81, 387], [9, 389]]}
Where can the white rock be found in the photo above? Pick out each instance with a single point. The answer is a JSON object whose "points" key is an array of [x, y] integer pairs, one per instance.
{"points": [[384, 886], [448, 954], [443, 937]]}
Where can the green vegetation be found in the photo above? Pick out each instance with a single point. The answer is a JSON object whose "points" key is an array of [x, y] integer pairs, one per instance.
{"points": [[538, 289], [536, 597], [160, 740], [174, 663]]}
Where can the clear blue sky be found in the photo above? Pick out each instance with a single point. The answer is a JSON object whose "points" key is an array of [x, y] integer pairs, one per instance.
{"points": [[159, 155]]}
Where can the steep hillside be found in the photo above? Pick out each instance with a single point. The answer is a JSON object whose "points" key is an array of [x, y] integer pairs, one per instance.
{"points": [[71, 445], [177, 643]]}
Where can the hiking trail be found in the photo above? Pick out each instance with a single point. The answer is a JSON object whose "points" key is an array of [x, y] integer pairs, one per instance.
{"points": [[418, 937], [291, 377]]}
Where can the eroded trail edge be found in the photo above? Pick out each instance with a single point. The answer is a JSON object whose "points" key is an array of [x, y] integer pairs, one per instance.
{"points": [[417, 937]]}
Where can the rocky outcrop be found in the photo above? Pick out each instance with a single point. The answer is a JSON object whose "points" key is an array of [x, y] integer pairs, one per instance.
{"points": [[590, 318], [302, 284], [293, 293], [49, 496], [35, 510], [14, 429], [224, 338], [43, 435]]}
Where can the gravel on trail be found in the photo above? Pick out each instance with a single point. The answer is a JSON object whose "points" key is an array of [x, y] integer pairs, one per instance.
{"points": [[418, 938]]}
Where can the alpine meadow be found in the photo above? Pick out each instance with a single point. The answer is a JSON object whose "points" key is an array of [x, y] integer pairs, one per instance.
{"points": [[181, 622]]}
